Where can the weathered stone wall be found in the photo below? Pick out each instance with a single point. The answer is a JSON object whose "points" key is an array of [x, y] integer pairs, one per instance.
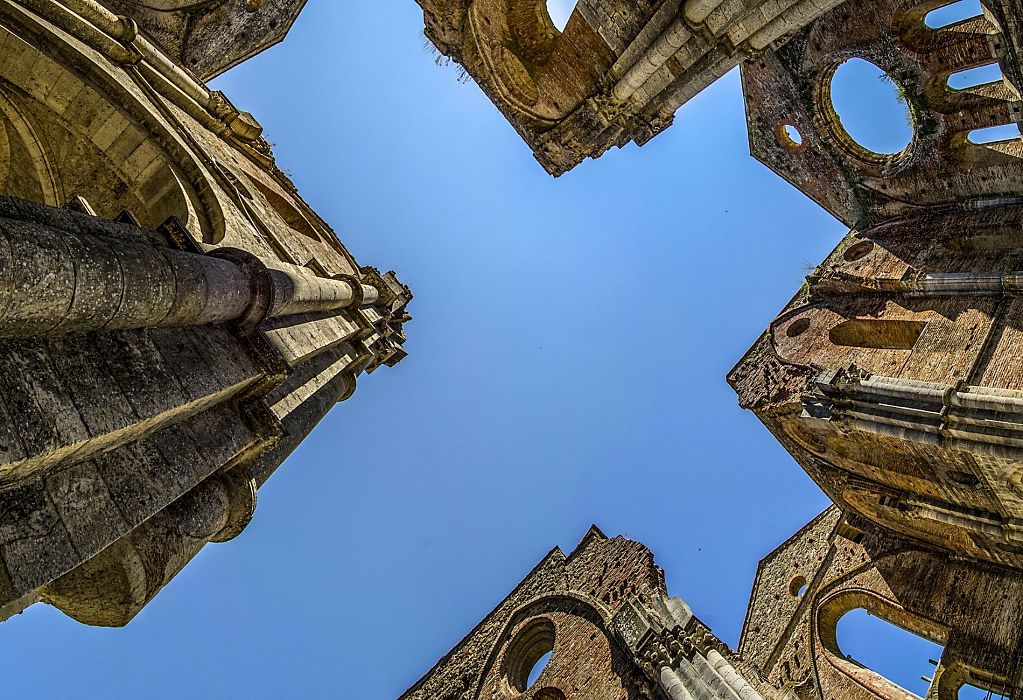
{"points": [[613, 632], [616, 74], [894, 307], [972, 610], [791, 87], [154, 370], [893, 376], [207, 38], [576, 597]]}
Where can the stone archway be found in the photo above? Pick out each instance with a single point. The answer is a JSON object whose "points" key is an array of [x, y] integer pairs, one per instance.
{"points": [[133, 153], [25, 169]]}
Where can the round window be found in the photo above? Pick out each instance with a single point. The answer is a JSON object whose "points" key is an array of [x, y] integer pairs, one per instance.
{"points": [[872, 110], [790, 136], [797, 586]]}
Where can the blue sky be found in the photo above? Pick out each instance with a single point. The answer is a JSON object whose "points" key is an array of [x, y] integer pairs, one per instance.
{"points": [[568, 354], [560, 11]]}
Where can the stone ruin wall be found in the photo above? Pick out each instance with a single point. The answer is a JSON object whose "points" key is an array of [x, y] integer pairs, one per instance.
{"points": [[174, 318], [892, 377]]}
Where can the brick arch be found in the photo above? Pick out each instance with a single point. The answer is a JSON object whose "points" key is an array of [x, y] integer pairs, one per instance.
{"points": [[585, 653], [829, 609], [951, 676]]}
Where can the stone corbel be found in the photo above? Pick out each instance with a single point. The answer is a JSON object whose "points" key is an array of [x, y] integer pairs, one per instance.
{"points": [[241, 493]]}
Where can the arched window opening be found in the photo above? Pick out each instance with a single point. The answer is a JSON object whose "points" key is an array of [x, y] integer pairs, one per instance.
{"points": [[973, 77], [877, 334], [953, 13], [896, 655], [538, 668], [529, 654], [994, 134], [972, 692], [560, 11]]}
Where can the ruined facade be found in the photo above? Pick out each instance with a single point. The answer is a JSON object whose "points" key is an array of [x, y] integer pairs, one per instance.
{"points": [[607, 599], [893, 377], [613, 632], [174, 319]]}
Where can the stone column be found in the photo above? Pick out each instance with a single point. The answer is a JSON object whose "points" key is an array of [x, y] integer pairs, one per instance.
{"points": [[54, 281], [735, 681], [112, 587], [697, 11], [673, 685]]}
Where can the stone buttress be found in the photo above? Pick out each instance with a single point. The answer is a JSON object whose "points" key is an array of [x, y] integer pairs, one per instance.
{"points": [[174, 319]]}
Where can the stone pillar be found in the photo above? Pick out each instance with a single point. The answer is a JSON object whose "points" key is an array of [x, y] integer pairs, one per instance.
{"points": [[697, 11], [296, 291], [703, 683], [112, 587], [673, 685], [663, 49], [735, 681], [54, 281]]}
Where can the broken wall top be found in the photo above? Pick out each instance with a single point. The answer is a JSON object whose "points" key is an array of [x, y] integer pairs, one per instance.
{"points": [[207, 38]]}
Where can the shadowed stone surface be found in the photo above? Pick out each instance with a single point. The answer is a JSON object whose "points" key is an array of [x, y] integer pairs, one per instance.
{"points": [[174, 319]]}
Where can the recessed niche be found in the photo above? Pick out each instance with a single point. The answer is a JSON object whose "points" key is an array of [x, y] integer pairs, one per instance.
{"points": [[996, 238], [881, 334], [798, 327], [964, 479], [858, 251], [549, 694]]}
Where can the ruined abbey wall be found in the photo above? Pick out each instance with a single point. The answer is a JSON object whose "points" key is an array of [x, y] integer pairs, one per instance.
{"points": [[893, 376], [174, 318]]}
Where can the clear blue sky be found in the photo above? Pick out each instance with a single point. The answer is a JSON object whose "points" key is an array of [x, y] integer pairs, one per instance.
{"points": [[568, 354]]}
